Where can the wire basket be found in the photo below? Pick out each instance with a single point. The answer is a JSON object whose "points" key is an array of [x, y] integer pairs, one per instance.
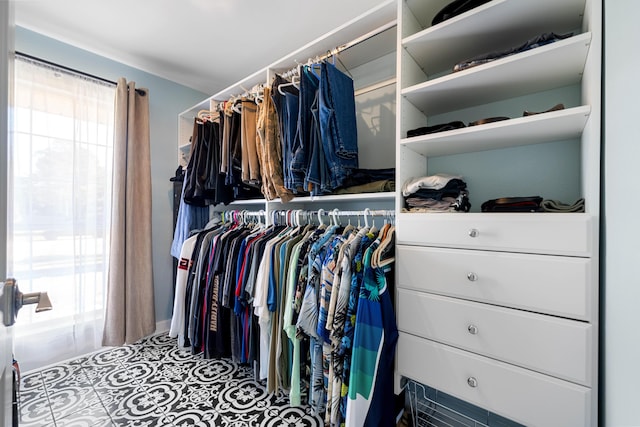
{"points": [[429, 413]]}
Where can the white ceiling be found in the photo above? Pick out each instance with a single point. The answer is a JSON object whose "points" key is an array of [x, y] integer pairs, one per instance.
{"points": [[203, 44]]}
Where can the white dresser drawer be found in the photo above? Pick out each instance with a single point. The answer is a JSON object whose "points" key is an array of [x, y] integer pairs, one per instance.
{"points": [[547, 344], [542, 233], [562, 286], [524, 396]]}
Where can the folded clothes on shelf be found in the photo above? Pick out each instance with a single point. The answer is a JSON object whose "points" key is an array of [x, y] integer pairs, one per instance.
{"points": [[366, 176], [513, 204], [431, 182], [436, 193], [380, 186], [430, 205], [541, 40], [460, 203], [425, 130], [453, 188], [549, 205]]}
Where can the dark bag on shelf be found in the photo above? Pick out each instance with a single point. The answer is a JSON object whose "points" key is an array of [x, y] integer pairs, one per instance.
{"points": [[512, 204], [455, 8]]}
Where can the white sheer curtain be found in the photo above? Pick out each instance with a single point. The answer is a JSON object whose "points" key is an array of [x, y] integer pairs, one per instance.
{"points": [[60, 173]]}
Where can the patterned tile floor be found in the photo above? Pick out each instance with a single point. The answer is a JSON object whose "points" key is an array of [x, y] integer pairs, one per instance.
{"points": [[152, 383]]}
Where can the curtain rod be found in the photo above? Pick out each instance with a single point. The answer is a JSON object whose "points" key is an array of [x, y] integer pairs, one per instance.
{"points": [[73, 70]]}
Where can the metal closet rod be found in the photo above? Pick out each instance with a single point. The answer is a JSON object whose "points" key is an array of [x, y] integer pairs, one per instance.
{"points": [[364, 212], [293, 216], [72, 70], [339, 212], [345, 46], [334, 51]]}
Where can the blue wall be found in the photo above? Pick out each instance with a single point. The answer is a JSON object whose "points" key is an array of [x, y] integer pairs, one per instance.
{"points": [[621, 254], [167, 99]]}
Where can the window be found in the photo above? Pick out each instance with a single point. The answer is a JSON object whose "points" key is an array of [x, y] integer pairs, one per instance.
{"points": [[60, 188]]}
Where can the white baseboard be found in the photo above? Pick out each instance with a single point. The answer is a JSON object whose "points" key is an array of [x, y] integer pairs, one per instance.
{"points": [[163, 326]]}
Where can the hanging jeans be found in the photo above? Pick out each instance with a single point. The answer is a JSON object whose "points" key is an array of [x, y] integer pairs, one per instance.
{"points": [[287, 108], [317, 177], [337, 114], [302, 142], [290, 126]]}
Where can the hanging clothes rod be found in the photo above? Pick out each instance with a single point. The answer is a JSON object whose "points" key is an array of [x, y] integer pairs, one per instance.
{"points": [[343, 47], [365, 212], [244, 212], [335, 51], [255, 93], [293, 216], [322, 212]]}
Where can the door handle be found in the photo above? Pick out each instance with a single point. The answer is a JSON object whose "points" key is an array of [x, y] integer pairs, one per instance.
{"points": [[40, 298], [13, 300]]}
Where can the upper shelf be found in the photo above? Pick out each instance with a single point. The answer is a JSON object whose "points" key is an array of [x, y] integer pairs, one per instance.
{"points": [[553, 126], [346, 198], [382, 15], [379, 16], [424, 11], [512, 22], [554, 65]]}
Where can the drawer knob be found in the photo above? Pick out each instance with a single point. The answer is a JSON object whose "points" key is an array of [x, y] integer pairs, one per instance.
{"points": [[472, 381], [473, 329], [473, 232], [472, 277]]}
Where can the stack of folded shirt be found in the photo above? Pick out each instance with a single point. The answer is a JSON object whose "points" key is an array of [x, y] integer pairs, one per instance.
{"points": [[436, 193]]}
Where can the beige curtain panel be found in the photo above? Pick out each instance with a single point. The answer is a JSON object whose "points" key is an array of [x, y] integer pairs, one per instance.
{"points": [[130, 312]]}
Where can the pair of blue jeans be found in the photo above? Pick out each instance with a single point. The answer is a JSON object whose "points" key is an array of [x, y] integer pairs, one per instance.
{"points": [[317, 177], [337, 122], [325, 149], [300, 150], [287, 108]]}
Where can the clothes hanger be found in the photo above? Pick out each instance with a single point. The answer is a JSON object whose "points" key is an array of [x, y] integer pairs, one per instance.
{"points": [[228, 107], [320, 213], [295, 82], [382, 249], [258, 94], [366, 212], [207, 115], [313, 66], [297, 216], [237, 106], [334, 217], [386, 238]]}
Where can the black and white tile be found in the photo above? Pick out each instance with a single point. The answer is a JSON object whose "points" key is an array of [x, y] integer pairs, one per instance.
{"points": [[153, 383]]}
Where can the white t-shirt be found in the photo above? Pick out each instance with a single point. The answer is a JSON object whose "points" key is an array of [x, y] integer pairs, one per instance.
{"points": [[184, 265]]}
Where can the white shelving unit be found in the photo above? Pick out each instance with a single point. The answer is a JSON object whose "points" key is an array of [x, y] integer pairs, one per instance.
{"points": [[371, 62], [498, 310], [481, 296]]}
